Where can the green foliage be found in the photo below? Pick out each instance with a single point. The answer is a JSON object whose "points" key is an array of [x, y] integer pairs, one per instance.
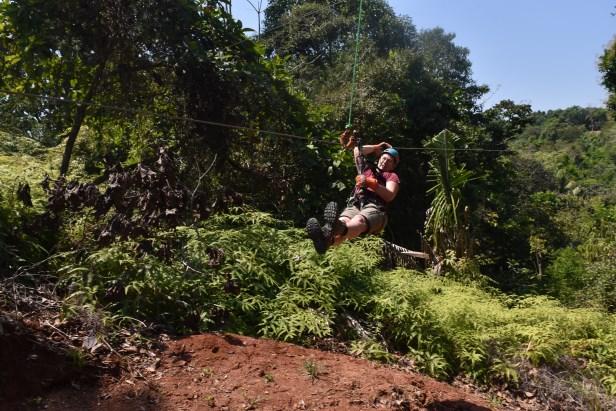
{"points": [[410, 85], [317, 28], [23, 239], [269, 281], [371, 350], [575, 144], [583, 275], [17, 247], [444, 224], [12, 144], [312, 369], [556, 208], [186, 293], [24, 160], [607, 66], [307, 303], [506, 119], [557, 211], [435, 365], [566, 275], [449, 64], [520, 206], [536, 331], [142, 71], [247, 272], [77, 358], [449, 328]]}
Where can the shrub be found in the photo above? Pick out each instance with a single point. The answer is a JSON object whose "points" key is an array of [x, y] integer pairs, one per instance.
{"points": [[249, 273]]}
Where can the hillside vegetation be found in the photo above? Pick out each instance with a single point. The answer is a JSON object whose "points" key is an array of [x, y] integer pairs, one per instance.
{"points": [[156, 169]]}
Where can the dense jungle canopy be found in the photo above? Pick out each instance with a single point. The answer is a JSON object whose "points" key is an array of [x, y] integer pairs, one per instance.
{"points": [[171, 142]]}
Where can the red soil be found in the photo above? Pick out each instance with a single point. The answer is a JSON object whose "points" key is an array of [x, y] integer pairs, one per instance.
{"points": [[220, 372]]}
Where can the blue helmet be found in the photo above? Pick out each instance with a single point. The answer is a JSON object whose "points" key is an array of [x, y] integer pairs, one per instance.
{"points": [[392, 152]]}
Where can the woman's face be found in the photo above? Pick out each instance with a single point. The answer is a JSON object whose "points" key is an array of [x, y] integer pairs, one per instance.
{"points": [[386, 163]]}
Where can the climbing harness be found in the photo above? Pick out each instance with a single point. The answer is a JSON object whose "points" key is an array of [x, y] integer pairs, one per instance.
{"points": [[360, 195]]}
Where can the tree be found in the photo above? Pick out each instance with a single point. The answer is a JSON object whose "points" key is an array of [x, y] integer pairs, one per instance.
{"points": [[409, 86], [445, 224], [449, 63], [321, 28], [607, 66], [138, 67], [505, 120], [312, 32], [112, 52]]}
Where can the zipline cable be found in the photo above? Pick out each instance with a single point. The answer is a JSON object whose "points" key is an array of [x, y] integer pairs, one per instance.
{"points": [[166, 116], [355, 63], [226, 125]]}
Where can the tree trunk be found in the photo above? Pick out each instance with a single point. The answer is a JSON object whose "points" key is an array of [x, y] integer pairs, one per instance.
{"points": [[80, 114]]}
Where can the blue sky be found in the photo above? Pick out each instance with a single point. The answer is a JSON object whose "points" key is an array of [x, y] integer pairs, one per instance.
{"points": [[539, 52]]}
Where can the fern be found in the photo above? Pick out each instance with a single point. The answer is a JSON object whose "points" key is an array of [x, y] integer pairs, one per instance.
{"points": [[371, 350], [266, 279]]}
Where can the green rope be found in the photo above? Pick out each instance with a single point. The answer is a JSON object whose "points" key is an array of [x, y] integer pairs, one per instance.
{"points": [[354, 81]]}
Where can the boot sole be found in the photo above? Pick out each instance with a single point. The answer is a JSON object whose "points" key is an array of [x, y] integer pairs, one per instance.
{"points": [[330, 215], [316, 235]]}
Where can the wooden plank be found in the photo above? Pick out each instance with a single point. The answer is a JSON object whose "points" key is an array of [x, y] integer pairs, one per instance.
{"points": [[416, 254]]}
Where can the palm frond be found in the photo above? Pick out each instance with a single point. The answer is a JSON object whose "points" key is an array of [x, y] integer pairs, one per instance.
{"points": [[447, 182]]}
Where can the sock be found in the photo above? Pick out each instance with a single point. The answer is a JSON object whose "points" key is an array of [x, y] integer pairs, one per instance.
{"points": [[340, 228]]}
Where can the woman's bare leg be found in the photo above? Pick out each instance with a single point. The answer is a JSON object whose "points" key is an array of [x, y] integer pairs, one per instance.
{"points": [[355, 227]]}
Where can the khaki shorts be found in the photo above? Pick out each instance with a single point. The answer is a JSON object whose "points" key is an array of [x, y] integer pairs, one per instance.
{"points": [[375, 216]]}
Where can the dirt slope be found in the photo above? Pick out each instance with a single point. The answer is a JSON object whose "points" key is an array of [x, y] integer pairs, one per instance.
{"points": [[229, 372]]}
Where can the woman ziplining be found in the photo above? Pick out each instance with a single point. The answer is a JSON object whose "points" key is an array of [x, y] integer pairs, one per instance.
{"points": [[376, 186]]}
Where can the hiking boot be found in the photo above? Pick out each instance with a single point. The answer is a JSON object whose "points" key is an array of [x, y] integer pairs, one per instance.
{"points": [[313, 228], [330, 215]]}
